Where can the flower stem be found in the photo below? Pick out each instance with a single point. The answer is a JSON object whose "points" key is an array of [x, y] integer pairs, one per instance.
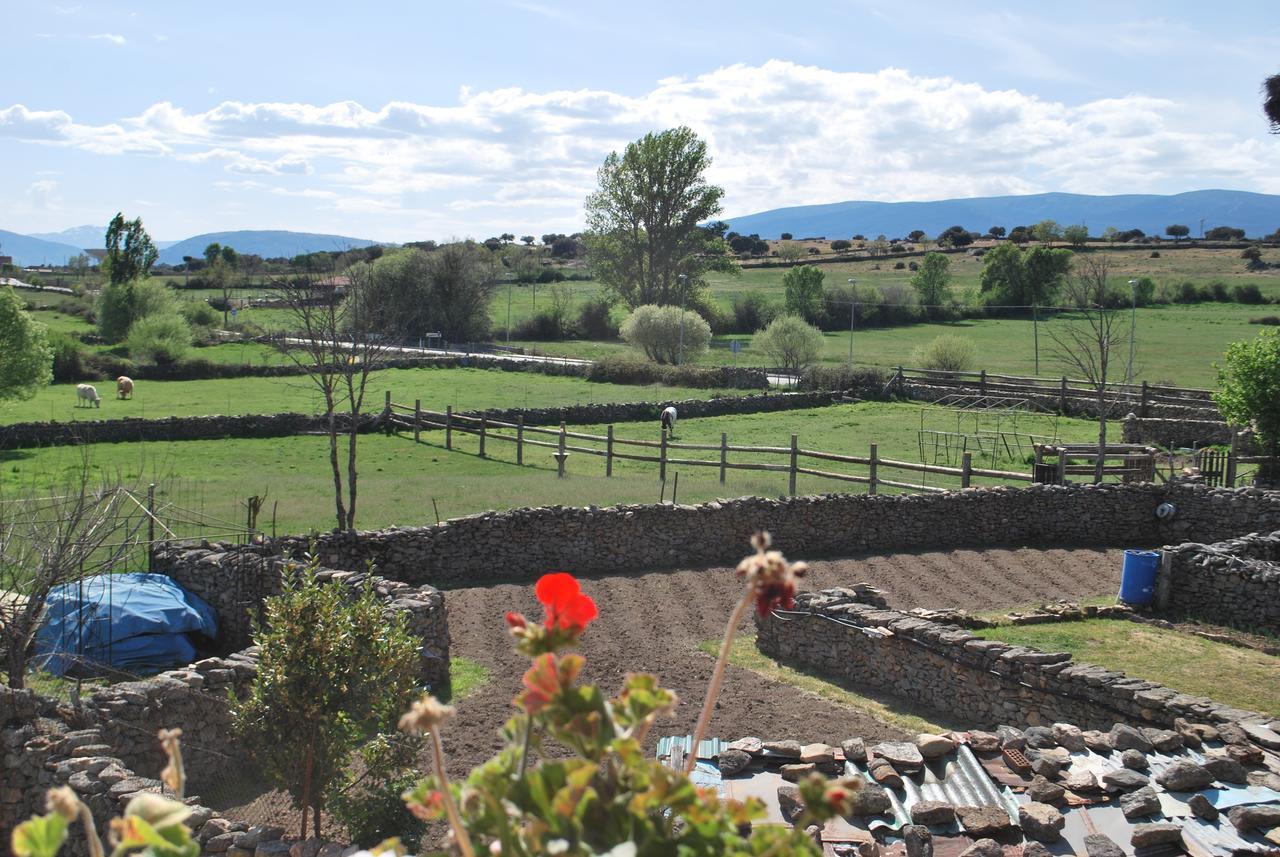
{"points": [[524, 744], [717, 679], [90, 831], [450, 808]]}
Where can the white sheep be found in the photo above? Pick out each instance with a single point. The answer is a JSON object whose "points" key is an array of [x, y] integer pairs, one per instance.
{"points": [[87, 393], [124, 387]]}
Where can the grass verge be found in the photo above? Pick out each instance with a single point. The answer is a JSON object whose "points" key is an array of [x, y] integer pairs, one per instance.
{"points": [[1239, 677], [890, 710], [465, 678]]}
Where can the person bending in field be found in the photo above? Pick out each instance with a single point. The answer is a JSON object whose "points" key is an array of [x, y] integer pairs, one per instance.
{"points": [[669, 420]]}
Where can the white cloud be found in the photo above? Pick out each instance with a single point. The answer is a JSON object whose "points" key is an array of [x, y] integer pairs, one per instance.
{"points": [[113, 38], [779, 134]]}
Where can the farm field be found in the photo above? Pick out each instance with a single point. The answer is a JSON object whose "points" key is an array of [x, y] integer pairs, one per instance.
{"points": [[399, 480], [464, 389], [1244, 678]]}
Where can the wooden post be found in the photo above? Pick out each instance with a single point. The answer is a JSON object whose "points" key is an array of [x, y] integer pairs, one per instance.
{"points": [[608, 452], [724, 454], [1035, 468], [417, 420], [1062, 396], [901, 379], [520, 439], [1142, 408], [561, 455], [448, 426], [483, 428], [1232, 455], [966, 467], [982, 382], [1062, 466], [386, 413], [871, 471], [662, 457], [151, 516], [791, 484]]}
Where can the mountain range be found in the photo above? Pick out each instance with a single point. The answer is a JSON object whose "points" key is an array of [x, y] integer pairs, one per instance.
{"points": [[1256, 213], [54, 248]]}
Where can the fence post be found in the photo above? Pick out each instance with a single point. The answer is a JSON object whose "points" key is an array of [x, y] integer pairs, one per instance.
{"points": [[448, 426], [966, 467], [724, 454], [561, 455], [1062, 396], [901, 379], [483, 427], [151, 515], [871, 471], [1232, 454], [608, 452], [417, 419], [662, 457], [982, 382], [386, 413], [520, 439], [1062, 466], [1142, 408], [791, 484]]}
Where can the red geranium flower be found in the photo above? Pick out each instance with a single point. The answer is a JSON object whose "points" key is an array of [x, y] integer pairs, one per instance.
{"points": [[567, 607]]}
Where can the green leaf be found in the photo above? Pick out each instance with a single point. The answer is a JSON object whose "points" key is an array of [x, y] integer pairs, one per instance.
{"points": [[40, 836]]}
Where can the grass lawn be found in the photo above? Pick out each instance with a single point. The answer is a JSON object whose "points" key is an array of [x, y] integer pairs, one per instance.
{"points": [[1244, 678], [465, 678], [399, 481], [892, 710], [464, 389]]}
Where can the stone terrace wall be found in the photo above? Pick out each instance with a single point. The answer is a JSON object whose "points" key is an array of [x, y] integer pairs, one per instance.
{"points": [[1175, 433], [28, 435], [1234, 582], [235, 579], [983, 682], [522, 543]]}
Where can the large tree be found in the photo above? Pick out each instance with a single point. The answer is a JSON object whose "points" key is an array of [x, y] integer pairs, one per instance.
{"points": [[26, 361], [1012, 277], [803, 286], [130, 251], [643, 219], [412, 292], [1249, 382], [932, 283]]}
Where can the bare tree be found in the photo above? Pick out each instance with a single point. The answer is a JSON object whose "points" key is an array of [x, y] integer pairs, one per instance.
{"points": [[50, 538], [333, 342], [1083, 342]]}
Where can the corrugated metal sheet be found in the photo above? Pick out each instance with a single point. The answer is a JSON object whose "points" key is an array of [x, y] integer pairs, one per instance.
{"points": [[708, 748], [1220, 838]]}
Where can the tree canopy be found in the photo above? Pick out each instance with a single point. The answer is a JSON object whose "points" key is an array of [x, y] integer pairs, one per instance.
{"points": [[26, 361], [803, 286], [1011, 277], [643, 219], [412, 292], [1249, 382], [932, 282], [130, 250], [1271, 102]]}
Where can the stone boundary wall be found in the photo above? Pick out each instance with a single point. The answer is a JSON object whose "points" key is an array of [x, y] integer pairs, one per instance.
{"points": [[28, 435], [524, 543], [234, 580], [1174, 433], [1077, 406], [984, 682], [1234, 582]]}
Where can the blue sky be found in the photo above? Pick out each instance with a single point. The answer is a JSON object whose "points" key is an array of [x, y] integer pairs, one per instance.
{"points": [[401, 121]]}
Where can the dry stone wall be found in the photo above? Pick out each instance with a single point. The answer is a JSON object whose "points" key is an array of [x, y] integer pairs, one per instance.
{"points": [[1076, 405], [984, 682], [29, 435], [524, 543], [1234, 582], [1175, 433]]}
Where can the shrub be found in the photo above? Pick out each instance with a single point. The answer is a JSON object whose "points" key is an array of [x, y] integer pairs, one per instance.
{"points": [[790, 342], [595, 320], [1155, 254], [841, 378], [544, 326], [1247, 294], [840, 244], [898, 266], [946, 353], [1218, 290], [1266, 319], [199, 314], [68, 358], [1187, 293], [550, 275], [122, 304], [368, 803], [753, 311], [161, 339], [629, 369], [1144, 291], [667, 334]]}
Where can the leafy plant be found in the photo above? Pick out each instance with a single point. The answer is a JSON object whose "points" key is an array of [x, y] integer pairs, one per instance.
{"points": [[667, 334], [1249, 382], [946, 353], [160, 339], [791, 343], [367, 801]]}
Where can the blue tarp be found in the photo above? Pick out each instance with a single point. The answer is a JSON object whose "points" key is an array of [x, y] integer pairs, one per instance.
{"points": [[133, 622]]}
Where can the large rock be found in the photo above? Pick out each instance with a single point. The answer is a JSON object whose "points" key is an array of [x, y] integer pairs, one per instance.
{"points": [[796, 771], [1034, 849], [1081, 781], [1069, 736], [1134, 760], [1202, 807], [984, 742], [220, 843], [870, 799], [854, 750], [903, 755], [1040, 789], [1246, 818], [933, 812], [733, 762], [1140, 803], [789, 802], [818, 754], [1098, 742], [918, 839], [983, 848], [1160, 833], [1185, 776], [1011, 738], [1226, 770], [1100, 845], [748, 745], [1040, 737], [786, 749], [980, 821], [1126, 737], [1165, 740], [1040, 821], [1262, 734], [934, 746], [1123, 780], [1045, 766]]}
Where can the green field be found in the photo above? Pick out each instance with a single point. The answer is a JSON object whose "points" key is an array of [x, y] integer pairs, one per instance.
{"points": [[399, 480], [464, 389], [1241, 677]]}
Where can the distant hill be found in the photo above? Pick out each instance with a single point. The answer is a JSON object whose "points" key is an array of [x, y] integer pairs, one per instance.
{"points": [[27, 250], [85, 237], [1256, 213], [263, 242]]}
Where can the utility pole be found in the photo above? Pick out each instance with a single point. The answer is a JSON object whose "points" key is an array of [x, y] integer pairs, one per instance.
{"points": [[684, 279], [853, 315], [509, 285], [1035, 334], [1202, 229]]}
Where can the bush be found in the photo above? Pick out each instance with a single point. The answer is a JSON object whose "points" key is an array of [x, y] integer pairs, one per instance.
{"points": [[1247, 294], [1155, 254], [840, 244], [1186, 293], [199, 314], [790, 342], [841, 378], [68, 358], [753, 311], [550, 275], [369, 805], [1218, 290], [544, 326], [1144, 291], [667, 334], [595, 320], [161, 339], [1266, 319], [121, 305], [629, 369], [946, 353], [898, 266]]}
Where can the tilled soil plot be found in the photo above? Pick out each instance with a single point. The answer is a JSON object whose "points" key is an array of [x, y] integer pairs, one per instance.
{"points": [[654, 622]]}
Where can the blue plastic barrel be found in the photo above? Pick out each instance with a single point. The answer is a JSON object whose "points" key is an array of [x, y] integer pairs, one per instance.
{"points": [[1138, 577]]}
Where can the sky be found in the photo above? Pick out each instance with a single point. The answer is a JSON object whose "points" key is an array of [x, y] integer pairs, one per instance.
{"points": [[400, 121]]}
